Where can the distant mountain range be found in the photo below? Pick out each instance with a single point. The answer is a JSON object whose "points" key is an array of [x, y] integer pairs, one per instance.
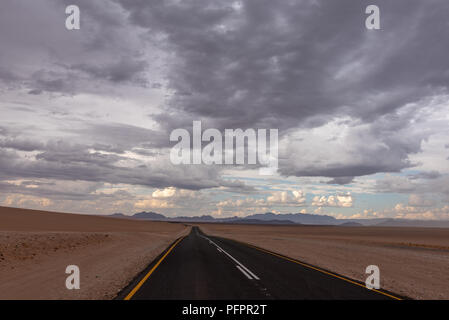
{"points": [[290, 218], [205, 218]]}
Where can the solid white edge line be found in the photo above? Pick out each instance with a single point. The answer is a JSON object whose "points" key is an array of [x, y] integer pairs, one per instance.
{"points": [[244, 272]]}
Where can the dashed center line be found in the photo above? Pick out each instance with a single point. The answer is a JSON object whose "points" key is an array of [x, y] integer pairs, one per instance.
{"points": [[250, 275], [244, 272]]}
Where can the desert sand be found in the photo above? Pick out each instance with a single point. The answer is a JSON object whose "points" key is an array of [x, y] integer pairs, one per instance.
{"points": [[413, 262], [37, 246]]}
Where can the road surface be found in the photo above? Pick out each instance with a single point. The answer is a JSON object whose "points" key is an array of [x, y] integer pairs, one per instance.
{"points": [[203, 267]]}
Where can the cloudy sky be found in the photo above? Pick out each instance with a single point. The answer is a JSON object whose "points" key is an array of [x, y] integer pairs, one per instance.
{"points": [[363, 115]]}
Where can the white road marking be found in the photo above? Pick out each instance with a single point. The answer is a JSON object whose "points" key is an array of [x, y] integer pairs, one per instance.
{"points": [[244, 272], [252, 275]]}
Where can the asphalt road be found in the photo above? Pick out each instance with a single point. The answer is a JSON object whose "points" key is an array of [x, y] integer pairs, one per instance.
{"points": [[203, 267]]}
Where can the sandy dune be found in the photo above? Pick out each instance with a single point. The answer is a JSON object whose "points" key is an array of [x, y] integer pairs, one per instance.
{"points": [[37, 246], [413, 261]]}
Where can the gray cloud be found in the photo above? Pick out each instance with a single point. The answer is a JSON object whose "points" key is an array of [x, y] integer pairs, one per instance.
{"points": [[341, 180], [121, 137], [299, 64], [77, 163], [124, 70], [43, 56], [436, 187], [64, 160], [425, 175], [21, 144], [95, 169]]}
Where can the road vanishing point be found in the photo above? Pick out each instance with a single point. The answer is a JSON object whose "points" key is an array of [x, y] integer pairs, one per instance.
{"points": [[203, 267]]}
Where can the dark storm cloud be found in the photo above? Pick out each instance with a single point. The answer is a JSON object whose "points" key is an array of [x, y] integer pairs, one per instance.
{"points": [[297, 64], [277, 63], [79, 155], [425, 175], [341, 180], [81, 166], [250, 64], [7, 76], [43, 56], [340, 170], [64, 160], [237, 186], [124, 70], [402, 184], [54, 191], [119, 137], [21, 144], [51, 84], [381, 146]]}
